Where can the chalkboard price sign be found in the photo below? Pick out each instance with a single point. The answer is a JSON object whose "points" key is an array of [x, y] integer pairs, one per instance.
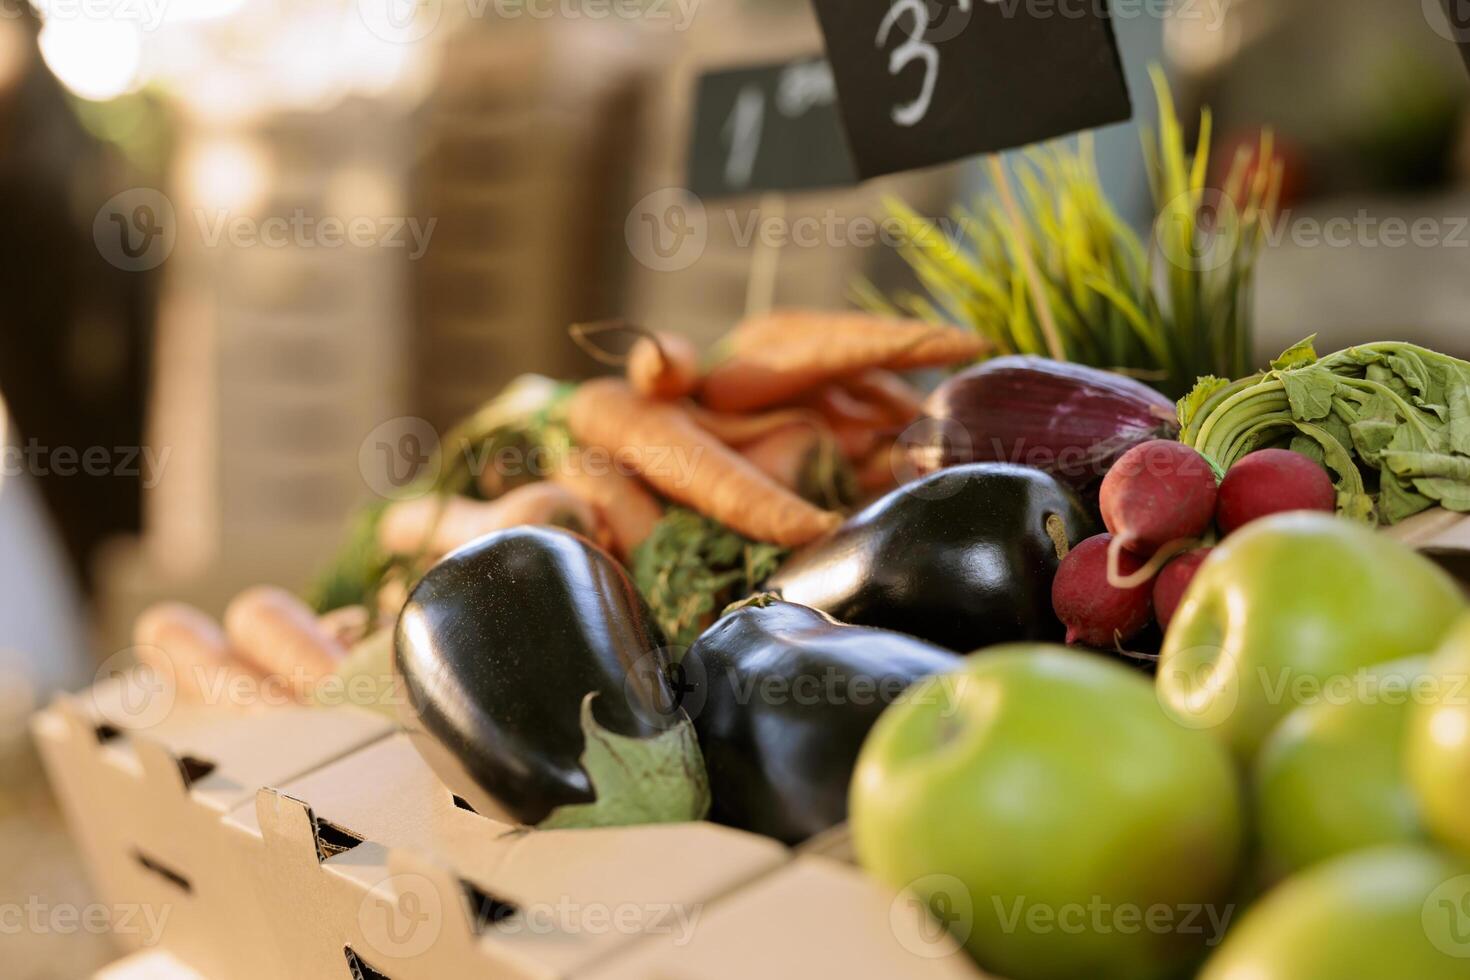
{"points": [[1457, 13], [923, 82], [771, 127]]}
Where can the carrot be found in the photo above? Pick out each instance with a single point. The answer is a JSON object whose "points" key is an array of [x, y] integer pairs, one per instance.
{"points": [[840, 408], [855, 441], [737, 429], [392, 594], [784, 454], [658, 365], [663, 365], [279, 635], [805, 460], [186, 644], [437, 525], [688, 464], [899, 400], [777, 356], [878, 473], [349, 624], [623, 505]]}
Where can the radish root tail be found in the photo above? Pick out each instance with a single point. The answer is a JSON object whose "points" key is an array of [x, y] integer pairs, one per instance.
{"points": [[1150, 568]]}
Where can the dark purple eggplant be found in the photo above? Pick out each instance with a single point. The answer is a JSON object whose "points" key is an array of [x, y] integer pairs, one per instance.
{"points": [[498, 646], [782, 697], [1067, 419], [964, 558]]}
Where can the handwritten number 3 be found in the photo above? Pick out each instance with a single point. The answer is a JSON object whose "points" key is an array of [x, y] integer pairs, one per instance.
{"points": [[914, 48]]}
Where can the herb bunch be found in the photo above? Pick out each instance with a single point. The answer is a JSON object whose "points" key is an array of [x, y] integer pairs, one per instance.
{"points": [[1060, 274]]}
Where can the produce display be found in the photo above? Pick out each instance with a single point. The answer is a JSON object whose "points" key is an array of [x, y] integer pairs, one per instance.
{"points": [[1116, 687]]}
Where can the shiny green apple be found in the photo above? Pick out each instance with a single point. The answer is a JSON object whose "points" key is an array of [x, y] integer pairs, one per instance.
{"points": [[1043, 804], [1330, 779], [1438, 756], [1400, 912], [1287, 606]]}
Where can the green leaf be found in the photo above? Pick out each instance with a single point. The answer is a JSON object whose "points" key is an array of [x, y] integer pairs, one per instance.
{"points": [[1297, 355], [637, 780], [1188, 407], [1309, 391], [690, 566]]}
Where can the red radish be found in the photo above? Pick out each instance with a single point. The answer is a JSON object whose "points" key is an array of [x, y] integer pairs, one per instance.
{"points": [[1158, 496], [1270, 481], [1095, 613], [1173, 580]]}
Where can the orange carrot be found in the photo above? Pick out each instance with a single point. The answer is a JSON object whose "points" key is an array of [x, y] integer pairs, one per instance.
{"points": [[623, 505], [279, 635], [186, 644], [879, 472], [686, 463], [437, 525], [898, 399], [784, 454], [658, 365], [663, 365], [777, 356], [737, 429], [855, 441], [840, 408], [805, 460], [392, 594], [349, 624]]}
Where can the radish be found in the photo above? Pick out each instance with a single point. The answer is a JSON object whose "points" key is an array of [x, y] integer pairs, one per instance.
{"points": [[1095, 613], [1173, 580], [1156, 500], [1270, 481]]}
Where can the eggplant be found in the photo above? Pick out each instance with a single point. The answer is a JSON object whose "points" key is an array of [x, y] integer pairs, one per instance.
{"points": [[782, 697], [964, 557], [499, 644], [1070, 420]]}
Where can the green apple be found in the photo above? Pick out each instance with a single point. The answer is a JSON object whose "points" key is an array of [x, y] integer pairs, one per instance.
{"points": [[1289, 605], [1400, 912], [1439, 743], [1330, 778], [1042, 803]]}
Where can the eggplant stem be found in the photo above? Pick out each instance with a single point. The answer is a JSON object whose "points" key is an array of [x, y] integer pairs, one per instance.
{"points": [[1056, 529], [1150, 568]]}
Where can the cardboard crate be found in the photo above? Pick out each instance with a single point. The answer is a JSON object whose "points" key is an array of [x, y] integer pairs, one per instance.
{"points": [[145, 805], [317, 843]]}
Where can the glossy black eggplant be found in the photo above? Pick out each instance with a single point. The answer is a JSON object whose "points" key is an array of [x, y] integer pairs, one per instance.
{"points": [[963, 557], [782, 697], [498, 645]]}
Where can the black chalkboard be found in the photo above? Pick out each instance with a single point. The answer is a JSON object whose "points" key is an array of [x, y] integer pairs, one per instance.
{"points": [[771, 127], [1458, 13], [923, 82]]}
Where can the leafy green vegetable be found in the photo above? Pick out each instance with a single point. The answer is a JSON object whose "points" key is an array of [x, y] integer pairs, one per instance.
{"points": [[527, 416], [355, 572], [637, 780], [1166, 314], [691, 566], [1390, 420]]}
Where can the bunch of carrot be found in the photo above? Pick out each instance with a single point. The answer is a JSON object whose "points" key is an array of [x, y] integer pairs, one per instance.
{"points": [[793, 417], [790, 401], [271, 650]]}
